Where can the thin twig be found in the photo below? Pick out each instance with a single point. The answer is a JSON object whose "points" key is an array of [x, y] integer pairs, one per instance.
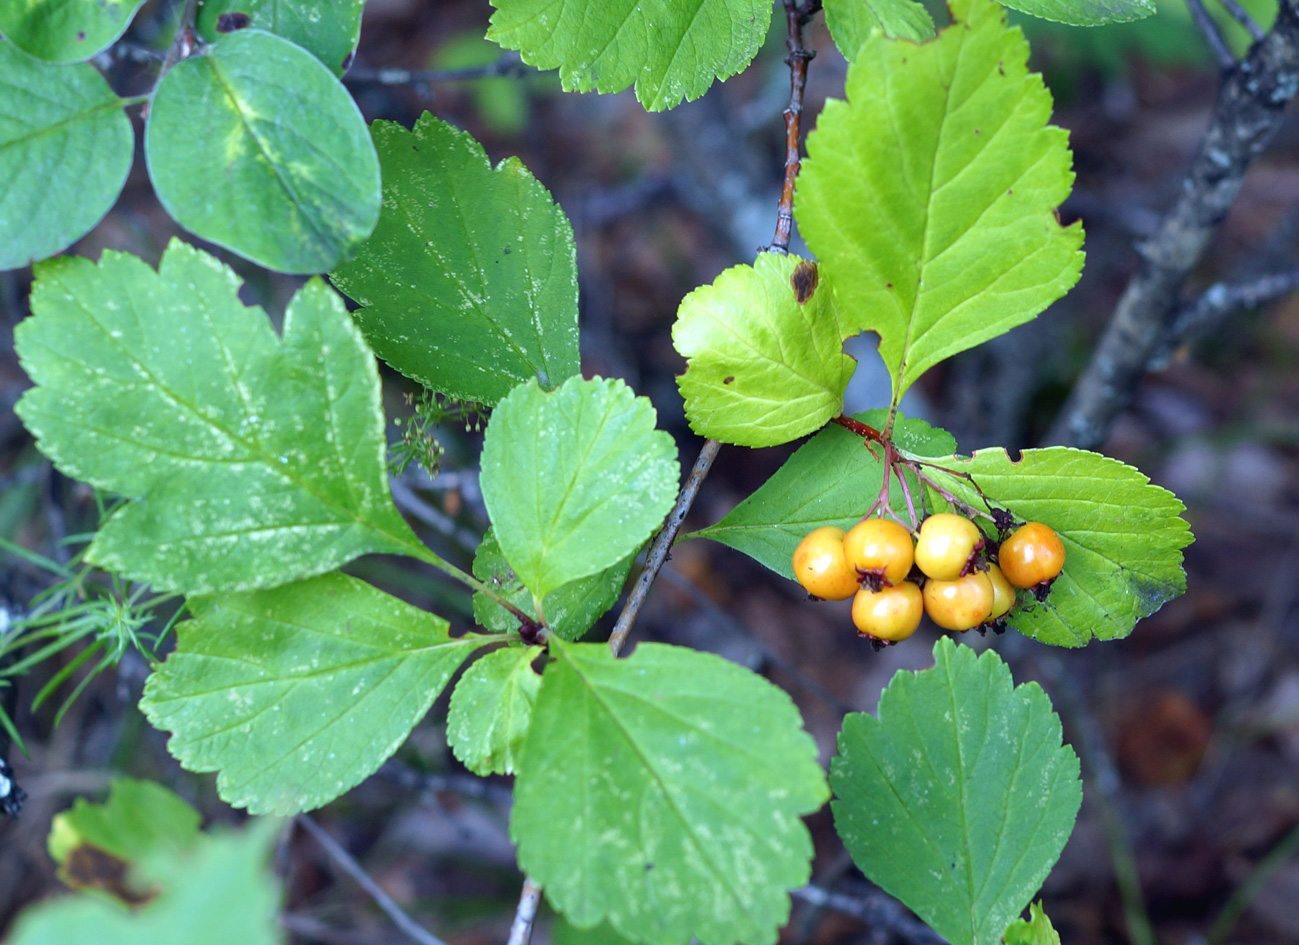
{"points": [[413, 930], [878, 910], [526, 913], [427, 782], [1241, 16], [508, 65], [797, 60], [1218, 45], [1248, 113], [184, 42], [1218, 303], [658, 552], [439, 521]]}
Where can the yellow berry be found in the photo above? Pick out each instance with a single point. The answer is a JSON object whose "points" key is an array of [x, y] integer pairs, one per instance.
{"points": [[820, 567]]}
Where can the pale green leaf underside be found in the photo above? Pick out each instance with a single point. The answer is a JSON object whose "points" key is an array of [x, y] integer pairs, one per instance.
{"points": [[138, 819], [221, 890], [761, 368], [928, 197], [491, 708], [959, 799], [328, 29], [469, 283], [670, 49], [297, 694], [575, 479], [570, 610], [283, 173], [65, 151], [851, 21], [1086, 12], [831, 480], [1123, 537], [1037, 930], [65, 30], [678, 779], [249, 460]]}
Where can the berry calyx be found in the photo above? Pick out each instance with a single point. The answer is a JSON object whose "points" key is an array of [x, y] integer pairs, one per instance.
{"points": [[819, 565], [960, 604], [946, 546], [1034, 554], [880, 550], [1003, 593], [889, 614]]}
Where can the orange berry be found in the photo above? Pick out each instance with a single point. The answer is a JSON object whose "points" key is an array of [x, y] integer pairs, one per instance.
{"points": [[1033, 554], [891, 613], [820, 567], [960, 604], [1003, 593], [879, 547], [946, 545]]}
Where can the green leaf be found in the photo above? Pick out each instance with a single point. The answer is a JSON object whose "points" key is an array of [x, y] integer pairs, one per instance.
{"points": [[65, 30], [284, 172], [851, 21], [1036, 931], [328, 29], [574, 480], [928, 197], [563, 932], [249, 460], [65, 151], [671, 49], [221, 890], [469, 283], [297, 694], [570, 610], [959, 799], [762, 368], [139, 818], [1122, 536], [1086, 12], [678, 779], [491, 708], [831, 480]]}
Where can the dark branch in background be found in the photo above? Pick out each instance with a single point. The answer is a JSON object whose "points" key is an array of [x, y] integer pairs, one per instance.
{"points": [[797, 60], [878, 910], [1218, 303], [412, 929], [1248, 113], [508, 65], [1205, 24], [1241, 16]]}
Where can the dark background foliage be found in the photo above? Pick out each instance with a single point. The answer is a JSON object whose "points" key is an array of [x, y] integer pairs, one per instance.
{"points": [[1188, 730]]}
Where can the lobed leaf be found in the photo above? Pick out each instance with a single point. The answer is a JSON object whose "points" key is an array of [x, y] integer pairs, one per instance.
{"points": [[65, 151], [328, 29], [570, 610], [928, 197], [469, 283], [297, 694], [764, 356], [670, 49], [1122, 534], [491, 708], [679, 780], [284, 173], [960, 797], [195, 889], [248, 460], [65, 30], [831, 480], [575, 479], [851, 21]]}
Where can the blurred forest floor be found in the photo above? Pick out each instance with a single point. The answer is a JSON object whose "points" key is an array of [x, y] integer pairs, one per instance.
{"points": [[1188, 730]]}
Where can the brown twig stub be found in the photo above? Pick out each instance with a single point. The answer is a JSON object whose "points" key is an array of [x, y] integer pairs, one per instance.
{"points": [[797, 60], [863, 430], [662, 544], [1248, 114]]}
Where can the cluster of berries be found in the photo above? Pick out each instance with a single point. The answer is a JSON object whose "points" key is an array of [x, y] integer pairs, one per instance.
{"points": [[950, 571]]}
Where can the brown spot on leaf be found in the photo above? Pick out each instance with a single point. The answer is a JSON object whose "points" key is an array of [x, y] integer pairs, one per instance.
{"points": [[88, 867], [81, 36], [804, 280], [729, 379]]}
